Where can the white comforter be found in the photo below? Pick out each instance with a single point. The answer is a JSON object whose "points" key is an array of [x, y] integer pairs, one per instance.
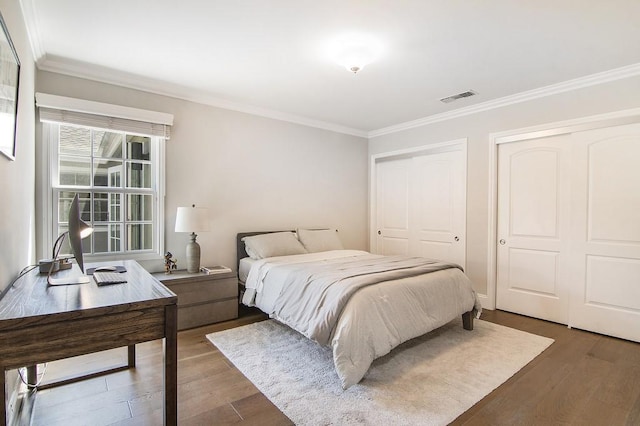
{"points": [[377, 318]]}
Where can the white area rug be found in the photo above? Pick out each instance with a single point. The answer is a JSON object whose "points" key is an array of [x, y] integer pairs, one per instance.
{"points": [[430, 380]]}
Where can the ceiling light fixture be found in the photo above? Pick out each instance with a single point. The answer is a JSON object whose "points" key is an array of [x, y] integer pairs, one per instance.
{"points": [[355, 51]]}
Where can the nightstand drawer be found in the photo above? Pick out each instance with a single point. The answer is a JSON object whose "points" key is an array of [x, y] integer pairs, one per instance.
{"points": [[207, 313], [203, 291], [203, 299]]}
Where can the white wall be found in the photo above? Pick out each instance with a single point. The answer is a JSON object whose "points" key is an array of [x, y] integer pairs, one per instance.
{"points": [[253, 173], [609, 97], [17, 210], [17, 238]]}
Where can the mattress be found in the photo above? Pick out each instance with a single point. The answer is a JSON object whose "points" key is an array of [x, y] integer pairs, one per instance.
{"points": [[244, 268]]}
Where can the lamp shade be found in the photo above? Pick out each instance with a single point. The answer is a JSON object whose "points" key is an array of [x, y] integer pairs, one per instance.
{"points": [[192, 219]]}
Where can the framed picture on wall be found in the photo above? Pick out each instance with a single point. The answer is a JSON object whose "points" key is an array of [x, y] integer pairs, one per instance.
{"points": [[9, 80]]}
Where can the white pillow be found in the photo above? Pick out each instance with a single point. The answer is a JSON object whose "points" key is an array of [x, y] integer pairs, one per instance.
{"points": [[273, 244], [315, 240]]}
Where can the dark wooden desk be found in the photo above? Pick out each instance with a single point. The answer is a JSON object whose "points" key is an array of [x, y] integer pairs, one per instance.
{"points": [[41, 323]]}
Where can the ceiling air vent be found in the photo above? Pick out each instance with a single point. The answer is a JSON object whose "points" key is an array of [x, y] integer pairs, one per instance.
{"points": [[458, 96]]}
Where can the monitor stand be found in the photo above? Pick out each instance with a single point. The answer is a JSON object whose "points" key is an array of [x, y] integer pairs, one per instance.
{"points": [[80, 279]]}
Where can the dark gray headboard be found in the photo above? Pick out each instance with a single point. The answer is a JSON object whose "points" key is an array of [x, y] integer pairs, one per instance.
{"points": [[240, 250]]}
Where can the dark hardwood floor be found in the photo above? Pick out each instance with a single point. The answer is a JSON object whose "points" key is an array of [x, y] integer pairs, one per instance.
{"points": [[583, 378]]}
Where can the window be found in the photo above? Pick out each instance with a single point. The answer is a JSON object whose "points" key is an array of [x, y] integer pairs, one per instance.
{"points": [[118, 174]]}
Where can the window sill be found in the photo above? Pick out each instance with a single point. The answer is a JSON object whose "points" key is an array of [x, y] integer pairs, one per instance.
{"points": [[123, 256]]}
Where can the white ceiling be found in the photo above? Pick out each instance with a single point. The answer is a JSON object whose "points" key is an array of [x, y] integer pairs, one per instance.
{"points": [[269, 56]]}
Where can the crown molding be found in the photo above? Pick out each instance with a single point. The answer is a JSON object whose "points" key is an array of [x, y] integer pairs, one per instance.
{"points": [[131, 81], [109, 76], [31, 22], [566, 86]]}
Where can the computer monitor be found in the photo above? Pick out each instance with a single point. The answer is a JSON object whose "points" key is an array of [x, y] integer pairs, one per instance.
{"points": [[78, 229]]}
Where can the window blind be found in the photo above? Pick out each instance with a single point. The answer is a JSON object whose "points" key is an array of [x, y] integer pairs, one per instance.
{"points": [[58, 109]]}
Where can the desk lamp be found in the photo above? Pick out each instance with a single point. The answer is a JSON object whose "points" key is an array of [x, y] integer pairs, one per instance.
{"points": [[192, 219]]}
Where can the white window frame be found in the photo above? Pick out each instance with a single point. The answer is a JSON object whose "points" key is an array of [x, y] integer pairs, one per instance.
{"points": [[49, 178]]}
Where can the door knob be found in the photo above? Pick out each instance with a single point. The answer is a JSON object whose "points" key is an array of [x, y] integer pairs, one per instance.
{"points": [[456, 238], [379, 233], [502, 242]]}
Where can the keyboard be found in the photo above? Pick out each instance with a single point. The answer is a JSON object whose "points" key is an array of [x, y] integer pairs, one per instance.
{"points": [[106, 278]]}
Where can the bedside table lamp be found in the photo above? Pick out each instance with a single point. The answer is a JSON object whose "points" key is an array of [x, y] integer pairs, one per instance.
{"points": [[192, 219]]}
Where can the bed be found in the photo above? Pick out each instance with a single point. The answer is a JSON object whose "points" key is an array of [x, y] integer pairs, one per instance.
{"points": [[360, 304]]}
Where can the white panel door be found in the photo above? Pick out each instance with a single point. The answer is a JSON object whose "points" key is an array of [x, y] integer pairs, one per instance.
{"points": [[421, 205], [532, 251], [606, 231], [438, 216], [392, 206]]}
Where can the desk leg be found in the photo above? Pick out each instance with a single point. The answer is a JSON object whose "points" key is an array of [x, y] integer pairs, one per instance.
{"points": [[32, 374], [171, 365], [131, 356]]}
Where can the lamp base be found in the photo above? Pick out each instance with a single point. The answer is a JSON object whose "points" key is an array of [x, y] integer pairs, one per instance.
{"points": [[193, 255]]}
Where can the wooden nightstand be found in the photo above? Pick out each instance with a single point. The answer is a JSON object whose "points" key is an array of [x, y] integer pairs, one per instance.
{"points": [[202, 299]]}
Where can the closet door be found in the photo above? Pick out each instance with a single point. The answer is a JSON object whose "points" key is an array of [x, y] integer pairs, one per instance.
{"points": [[606, 231], [532, 250], [438, 216], [392, 206], [421, 205]]}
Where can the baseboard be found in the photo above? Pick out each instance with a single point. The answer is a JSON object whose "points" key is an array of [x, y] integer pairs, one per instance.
{"points": [[485, 302]]}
